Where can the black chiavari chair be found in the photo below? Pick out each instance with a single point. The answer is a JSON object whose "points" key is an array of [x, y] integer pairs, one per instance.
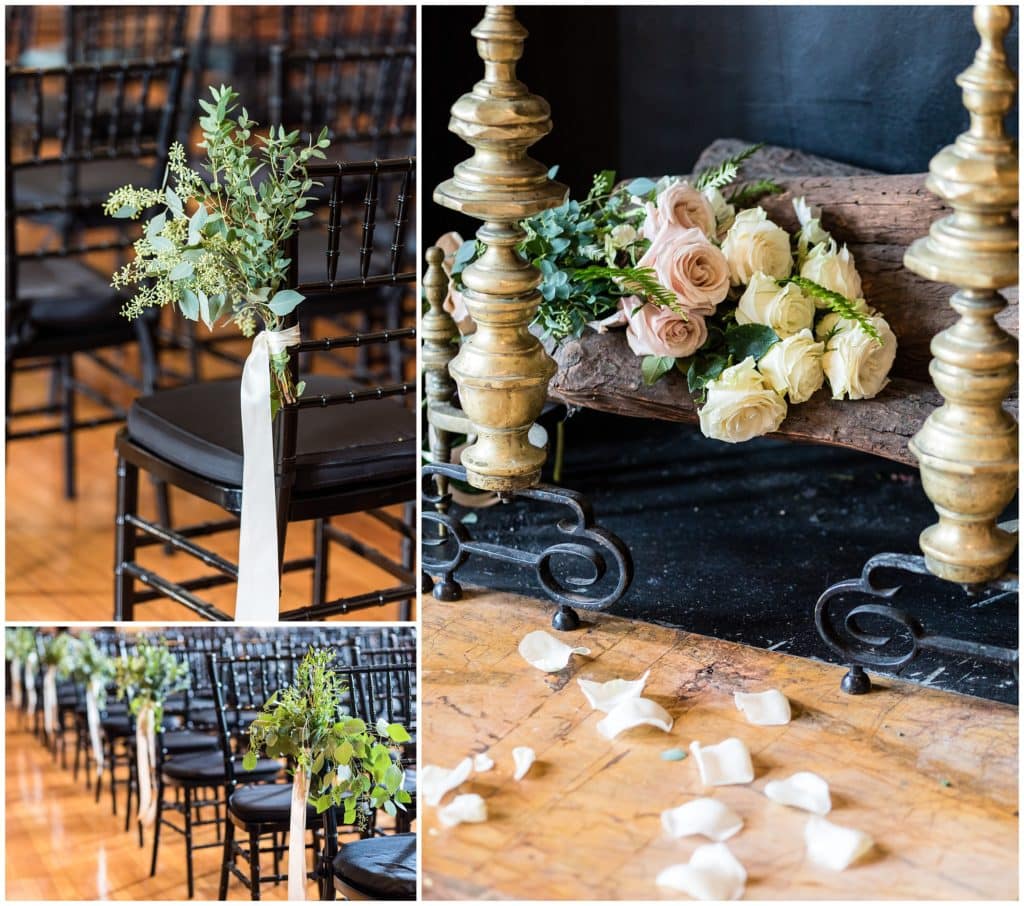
{"points": [[331, 457], [57, 304]]}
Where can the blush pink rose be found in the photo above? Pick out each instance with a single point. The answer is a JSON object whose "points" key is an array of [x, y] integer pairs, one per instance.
{"points": [[679, 205], [689, 265], [653, 330]]}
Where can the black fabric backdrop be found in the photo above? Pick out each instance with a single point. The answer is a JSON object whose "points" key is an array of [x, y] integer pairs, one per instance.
{"points": [[644, 89]]}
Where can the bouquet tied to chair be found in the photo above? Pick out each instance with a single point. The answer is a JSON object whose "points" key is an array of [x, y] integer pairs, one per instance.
{"points": [[20, 645], [57, 659], [93, 670]]}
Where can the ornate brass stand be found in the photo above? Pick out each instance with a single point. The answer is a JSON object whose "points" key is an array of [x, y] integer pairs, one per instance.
{"points": [[967, 449], [501, 371]]}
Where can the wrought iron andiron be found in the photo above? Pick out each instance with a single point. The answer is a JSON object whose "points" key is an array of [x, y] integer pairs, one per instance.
{"points": [[501, 370], [967, 449]]}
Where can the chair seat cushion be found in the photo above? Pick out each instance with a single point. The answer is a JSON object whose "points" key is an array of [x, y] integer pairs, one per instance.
{"points": [[265, 802], [198, 427], [182, 741], [209, 766], [383, 868], [122, 725], [66, 296]]}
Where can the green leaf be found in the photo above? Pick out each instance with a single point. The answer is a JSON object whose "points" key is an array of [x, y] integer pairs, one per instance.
{"points": [[174, 203], [392, 778], [181, 271], [353, 726], [125, 212], [403, 797], [704, 369], [742, 340], [343, 753], [398, 733], [389, 807], [641, 187], [250, 760], [284, 302], [654, 366], [189, 304]]}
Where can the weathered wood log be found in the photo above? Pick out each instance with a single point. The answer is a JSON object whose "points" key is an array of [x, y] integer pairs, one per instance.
{"points": [[878, 217], [599, 371]]}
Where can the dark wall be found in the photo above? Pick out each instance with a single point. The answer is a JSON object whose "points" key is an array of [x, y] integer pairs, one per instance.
{"points": [[645, 89]]}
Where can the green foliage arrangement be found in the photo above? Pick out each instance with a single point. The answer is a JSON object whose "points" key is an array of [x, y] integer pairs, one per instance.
{"points": [[150, 677], [350, 764], [90, 665], [59, 652], [20, 642], [216, 248]]}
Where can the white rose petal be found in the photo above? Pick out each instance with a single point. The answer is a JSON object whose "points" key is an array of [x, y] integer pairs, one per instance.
{"points": [[434, 782], [605, 696], [708, 817], [634, 712], [834, 269], [713, 873], [469, 808], [740, 405], [803, 790], [482, 762], [856, 365], [795, 366], [754, 244], [834, 847], [804, 212], [524, 757], [785, 309], [543, 651], [766, 709], [725, 763]]}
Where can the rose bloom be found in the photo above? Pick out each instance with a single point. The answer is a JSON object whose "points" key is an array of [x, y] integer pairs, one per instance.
{"points": [[784, 309], [754, 244], [725, 213], [454, 304], [689, 265], [835, 270], [855, 364], [740, 405], [679, 205], [653, 330], [794, 366]]}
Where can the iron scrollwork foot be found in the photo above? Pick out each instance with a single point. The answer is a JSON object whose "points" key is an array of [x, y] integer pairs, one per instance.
{"points": [[860, 648], [608, 566]]}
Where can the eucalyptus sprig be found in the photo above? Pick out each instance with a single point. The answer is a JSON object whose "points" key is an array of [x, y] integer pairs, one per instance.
{"points": [[90, 664], [149, 677], [351, 765], [845, 308]]}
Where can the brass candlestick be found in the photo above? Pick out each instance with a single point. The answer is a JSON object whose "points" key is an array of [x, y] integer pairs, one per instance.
{"points": [[502, 371], [967, 449]]}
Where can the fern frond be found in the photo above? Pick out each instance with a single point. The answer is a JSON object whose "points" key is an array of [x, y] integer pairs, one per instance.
{"points": [[726, 172], [639, 281], [745, 197], [837, 303]]}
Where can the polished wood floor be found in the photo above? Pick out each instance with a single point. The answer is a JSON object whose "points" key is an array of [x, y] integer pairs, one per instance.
{"points": [[60, 553], [931, 775], [62, 845]]}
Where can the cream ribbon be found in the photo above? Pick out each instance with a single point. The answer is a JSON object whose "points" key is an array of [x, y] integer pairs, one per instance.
{"points": [[31, 663], [259, 592], [297, 837], [92, 714], [145, 748], [50, 701], [16, 687]]}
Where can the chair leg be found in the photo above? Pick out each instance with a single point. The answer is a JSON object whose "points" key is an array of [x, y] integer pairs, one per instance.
{"points": [[321, 553], [188, 841], [67, 373], [124, 545], [228, 858], [254, 864], [408, 559]]}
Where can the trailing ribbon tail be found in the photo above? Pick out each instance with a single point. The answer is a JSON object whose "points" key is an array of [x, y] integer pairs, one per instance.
{"points": [[297, 837], [258, 597]]}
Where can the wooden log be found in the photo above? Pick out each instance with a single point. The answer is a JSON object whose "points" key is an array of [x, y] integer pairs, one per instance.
{"points": [[774, 161]]}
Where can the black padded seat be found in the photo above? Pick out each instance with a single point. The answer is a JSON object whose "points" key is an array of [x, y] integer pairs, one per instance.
{"points": [[382, 868], [209, 767], [198, 427], [122, 725], [66, 296], [179, 742], [210, 717], [265, 803]]}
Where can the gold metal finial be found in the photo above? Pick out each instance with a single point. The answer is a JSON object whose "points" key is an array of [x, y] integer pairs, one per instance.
{"points": [[967, 449], [502, 370]]}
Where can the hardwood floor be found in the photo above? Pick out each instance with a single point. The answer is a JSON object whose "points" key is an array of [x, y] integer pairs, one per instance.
{"points": [[61, 845], [60, 553], [932, 776]]}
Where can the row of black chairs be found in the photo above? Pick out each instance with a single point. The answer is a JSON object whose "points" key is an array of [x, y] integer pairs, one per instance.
{"points": [[201, 781]]}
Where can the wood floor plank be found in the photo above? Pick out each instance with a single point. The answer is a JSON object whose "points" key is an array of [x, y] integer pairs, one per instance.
{"points": [[931, 775], [60, 554]]}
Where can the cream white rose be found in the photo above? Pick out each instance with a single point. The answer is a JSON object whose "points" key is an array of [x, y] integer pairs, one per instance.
{"points": [[794, 366], [740, 405], [679, 204], [725, 213], [623, 235], [754, 244], [856, 365], [834, 269], [784, 309]]}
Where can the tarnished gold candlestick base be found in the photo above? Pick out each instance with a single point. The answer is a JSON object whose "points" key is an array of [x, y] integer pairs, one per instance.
{"points": [[968, 449], [502, 371]]}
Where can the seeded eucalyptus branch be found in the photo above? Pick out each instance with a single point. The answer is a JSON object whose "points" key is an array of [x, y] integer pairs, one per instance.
{"points": [[725, 173], [150, 677], [838, 303]]}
